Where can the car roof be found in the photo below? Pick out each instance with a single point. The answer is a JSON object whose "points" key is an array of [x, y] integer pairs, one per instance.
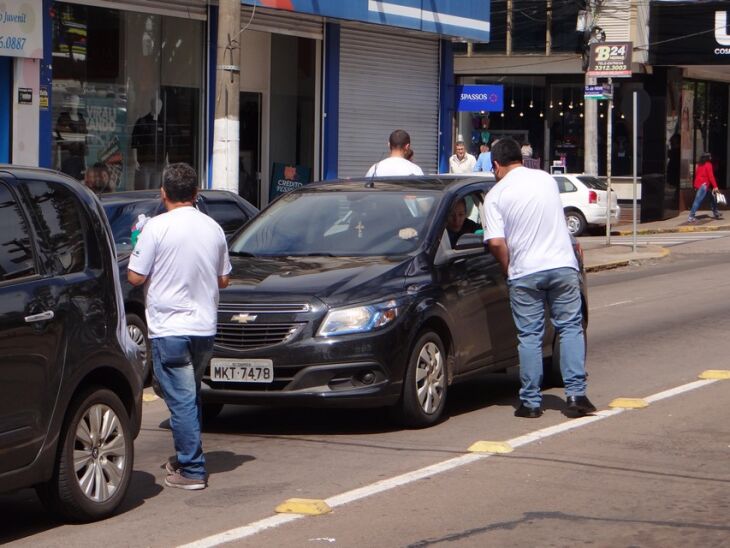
{"points": [[446, 182], [128, 196]]}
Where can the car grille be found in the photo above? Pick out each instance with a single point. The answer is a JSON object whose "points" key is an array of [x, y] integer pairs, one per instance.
{"points": [[249, 337], [264, 308]]}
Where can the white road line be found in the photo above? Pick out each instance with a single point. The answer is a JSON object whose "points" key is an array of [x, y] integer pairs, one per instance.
{"points": [[610, 305], [432, 470]]}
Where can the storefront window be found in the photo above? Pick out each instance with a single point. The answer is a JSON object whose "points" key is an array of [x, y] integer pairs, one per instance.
{"points": [[127, 91]]}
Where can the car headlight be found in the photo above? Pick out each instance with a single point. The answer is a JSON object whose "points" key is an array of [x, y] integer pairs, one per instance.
{"points": [[359, 319]]}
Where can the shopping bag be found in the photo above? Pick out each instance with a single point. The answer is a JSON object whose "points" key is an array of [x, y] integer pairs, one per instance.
{"points": [[720, 198]]}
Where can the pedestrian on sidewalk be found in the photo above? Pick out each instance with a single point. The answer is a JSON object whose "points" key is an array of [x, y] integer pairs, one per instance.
{"points": [[399, 143], [461, 161], [182, 257], [527, 234], [704, 178], [484, 162]]}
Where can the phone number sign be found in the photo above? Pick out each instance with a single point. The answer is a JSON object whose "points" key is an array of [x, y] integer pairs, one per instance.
{"points": [[21, 28], [610, 60]]}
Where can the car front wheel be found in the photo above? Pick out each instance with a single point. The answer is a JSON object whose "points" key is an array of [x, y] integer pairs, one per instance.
{"points": [[425, 386], [95, 458], [137, 330], [576, 222]]}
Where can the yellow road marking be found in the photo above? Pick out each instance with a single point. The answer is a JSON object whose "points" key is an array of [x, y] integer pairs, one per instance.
{"points": [[629, 403], [720, 374], [149, 397], [309, 507], [491, 447]]}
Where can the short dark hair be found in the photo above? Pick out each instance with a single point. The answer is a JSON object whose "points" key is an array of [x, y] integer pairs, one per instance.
{"points": [[180, 182], [506, 152], [399, 139], [706, 157]]}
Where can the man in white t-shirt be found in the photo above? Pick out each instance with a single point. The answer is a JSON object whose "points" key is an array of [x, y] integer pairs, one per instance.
{"points": [[461, 161], [182, 258], [527, 234], [399, 143]]}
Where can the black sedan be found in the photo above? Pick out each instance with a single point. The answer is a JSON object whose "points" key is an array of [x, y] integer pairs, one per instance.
{"points": [[349, 293], [123, 209]]}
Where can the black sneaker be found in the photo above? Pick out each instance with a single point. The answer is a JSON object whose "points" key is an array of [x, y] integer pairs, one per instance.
{"points": [[718, 217], [526, 412], [580, 405], [179, 481]]}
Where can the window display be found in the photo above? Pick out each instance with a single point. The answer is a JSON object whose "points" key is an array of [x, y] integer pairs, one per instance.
{"points": [[126, 95]]}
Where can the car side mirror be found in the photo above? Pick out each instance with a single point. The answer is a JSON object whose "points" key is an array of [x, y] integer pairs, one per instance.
{"points": [[469, 241]]}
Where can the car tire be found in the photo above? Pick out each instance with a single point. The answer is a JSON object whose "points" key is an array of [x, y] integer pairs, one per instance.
{"points": [[425, 383], [97, 424], [137, 329], [576, 222]]}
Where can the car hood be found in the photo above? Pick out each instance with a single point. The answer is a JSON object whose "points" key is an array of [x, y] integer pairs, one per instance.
{"points": [[335, 280]]}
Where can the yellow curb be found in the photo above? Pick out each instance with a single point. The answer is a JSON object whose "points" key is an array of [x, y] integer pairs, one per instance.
{"points": [[720, 374], [150, 397], [309, 507], [490, 447], [629, 403]]}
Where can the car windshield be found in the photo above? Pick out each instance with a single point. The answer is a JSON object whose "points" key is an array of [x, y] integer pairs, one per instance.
{"points": [[592, 182], [121, 218], [340, 223]]}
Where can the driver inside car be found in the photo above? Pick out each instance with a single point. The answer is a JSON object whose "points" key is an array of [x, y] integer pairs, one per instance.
{"points": [[457, 223]]}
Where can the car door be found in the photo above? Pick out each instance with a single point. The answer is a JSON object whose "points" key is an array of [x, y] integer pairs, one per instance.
{"points": [[475, 295], [31, 337]]}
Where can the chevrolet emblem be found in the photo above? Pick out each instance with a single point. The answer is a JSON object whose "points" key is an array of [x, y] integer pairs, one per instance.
{"points": [[243, 318]]}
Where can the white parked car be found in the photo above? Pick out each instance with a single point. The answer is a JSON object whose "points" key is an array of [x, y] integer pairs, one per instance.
{"points": [[584, 201]]}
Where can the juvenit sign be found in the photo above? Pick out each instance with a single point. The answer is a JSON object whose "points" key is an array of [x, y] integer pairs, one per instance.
{"points": [[21, 28], [479, 98], [462, 18]]}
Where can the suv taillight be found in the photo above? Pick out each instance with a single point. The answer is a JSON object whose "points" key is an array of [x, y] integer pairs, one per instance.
{"points": [[592, 197]]}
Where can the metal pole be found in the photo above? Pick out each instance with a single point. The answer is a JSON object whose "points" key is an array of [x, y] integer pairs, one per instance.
{"points": [[609, 131], [636, 148]]}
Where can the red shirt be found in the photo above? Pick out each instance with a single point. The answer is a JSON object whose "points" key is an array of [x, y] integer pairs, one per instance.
{"points": [[704, 175]]}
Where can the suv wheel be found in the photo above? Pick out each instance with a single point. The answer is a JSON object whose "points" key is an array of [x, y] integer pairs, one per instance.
{"points": [[95, 458], [425, 386], [576, 222], [137, 330]]}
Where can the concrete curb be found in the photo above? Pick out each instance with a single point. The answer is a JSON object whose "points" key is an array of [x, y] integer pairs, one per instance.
{"points": [[618, 263], [671, 230]]}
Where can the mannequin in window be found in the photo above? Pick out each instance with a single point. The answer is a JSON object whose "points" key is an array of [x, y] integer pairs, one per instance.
{"points": [[149, 151], [71, 137]]}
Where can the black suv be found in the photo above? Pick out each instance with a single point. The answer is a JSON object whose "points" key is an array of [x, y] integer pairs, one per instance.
{"points": [[123, 208], [354, 293], [70, 377]]}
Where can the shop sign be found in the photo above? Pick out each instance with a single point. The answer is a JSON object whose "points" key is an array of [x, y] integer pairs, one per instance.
{"points": [[610, 60], [600, 92], [21, 28], [43, 98], [285, 178], [689, 33], [25, 96], [479, 98], [465, 18]]}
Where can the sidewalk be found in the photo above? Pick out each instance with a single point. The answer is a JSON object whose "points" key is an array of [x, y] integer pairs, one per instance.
{"points": [[599, 257]]}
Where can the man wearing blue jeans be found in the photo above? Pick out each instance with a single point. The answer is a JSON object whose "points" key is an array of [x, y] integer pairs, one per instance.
{"points": [[527, 234], [182, 258]]}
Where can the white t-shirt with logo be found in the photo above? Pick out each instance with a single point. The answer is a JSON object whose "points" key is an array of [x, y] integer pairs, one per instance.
{"points": [[182, 252], [525, 209], [393, 166]]}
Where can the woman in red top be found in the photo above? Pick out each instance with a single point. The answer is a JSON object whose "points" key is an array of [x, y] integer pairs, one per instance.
{"points": [[703, 179]]}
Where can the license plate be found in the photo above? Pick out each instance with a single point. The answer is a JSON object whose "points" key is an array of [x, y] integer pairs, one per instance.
{"points": [[231, 370]]}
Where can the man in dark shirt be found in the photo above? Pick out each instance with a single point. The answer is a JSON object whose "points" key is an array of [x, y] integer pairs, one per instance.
{"points": [[457, 223]]}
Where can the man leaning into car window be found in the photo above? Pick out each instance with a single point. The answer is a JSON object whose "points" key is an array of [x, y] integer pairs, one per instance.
{"points": [[182, 258], [527, 234]]}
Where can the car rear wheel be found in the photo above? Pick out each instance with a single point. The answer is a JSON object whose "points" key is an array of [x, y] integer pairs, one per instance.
{"points": [[95, 458], [425, 386], [576, 222], [137, 329]]}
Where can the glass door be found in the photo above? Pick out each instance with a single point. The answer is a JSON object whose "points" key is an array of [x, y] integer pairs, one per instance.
{"points": [[249, 154]]}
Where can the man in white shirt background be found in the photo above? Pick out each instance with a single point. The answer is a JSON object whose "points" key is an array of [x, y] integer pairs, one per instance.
{"points": [[182, 258], [396, 164], [461, 161], [527, 234]]}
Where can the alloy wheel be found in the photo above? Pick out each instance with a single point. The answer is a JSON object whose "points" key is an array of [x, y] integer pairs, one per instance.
{"points": [[430, 377], [99, 453], [137, 336]]}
